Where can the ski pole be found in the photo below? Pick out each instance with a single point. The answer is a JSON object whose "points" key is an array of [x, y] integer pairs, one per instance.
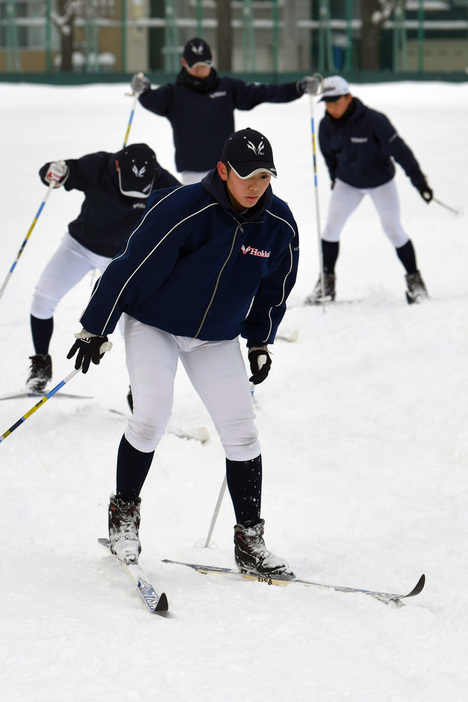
{"points": [[10, 272], [216, 511], [42, 401], [135, 100], [317, 208], [455, 212]]}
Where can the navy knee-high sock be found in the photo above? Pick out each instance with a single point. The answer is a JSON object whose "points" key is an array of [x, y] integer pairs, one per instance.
{"points": [[132, 468], [244, 480], [41, 330], [407, 256], [330, 251]]}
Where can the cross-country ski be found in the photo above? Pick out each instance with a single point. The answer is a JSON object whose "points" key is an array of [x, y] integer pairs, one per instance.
{"points": [[157, 604], [65, 395], [386, 597]]}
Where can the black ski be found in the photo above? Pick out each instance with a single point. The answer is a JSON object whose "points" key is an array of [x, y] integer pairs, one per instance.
{"points": [[156, 604], [386, 597]]}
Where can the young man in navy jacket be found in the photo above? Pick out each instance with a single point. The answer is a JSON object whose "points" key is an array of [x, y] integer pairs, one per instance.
{"points": [[207, 263], [360, 146], [116, 188], [200, 106]]}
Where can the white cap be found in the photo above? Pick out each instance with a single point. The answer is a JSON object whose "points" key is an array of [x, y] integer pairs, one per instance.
{"points": [[334, 88]]}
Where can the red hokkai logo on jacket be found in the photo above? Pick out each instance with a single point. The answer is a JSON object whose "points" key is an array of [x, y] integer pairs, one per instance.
{"points": [[255, 252]]}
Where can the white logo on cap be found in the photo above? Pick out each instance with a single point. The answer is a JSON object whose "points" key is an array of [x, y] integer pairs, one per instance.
{"points": [[197, 49], [258, 150], [139, 173]]}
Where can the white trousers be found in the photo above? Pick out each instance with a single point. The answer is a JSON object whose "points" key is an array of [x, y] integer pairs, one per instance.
{"points": [[345, 199], [216, 370], [68, 265], [190, 177]]}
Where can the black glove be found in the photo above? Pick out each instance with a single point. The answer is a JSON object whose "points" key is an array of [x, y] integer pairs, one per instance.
{"points": [[90, 348], [426, 193], [260, 364]]}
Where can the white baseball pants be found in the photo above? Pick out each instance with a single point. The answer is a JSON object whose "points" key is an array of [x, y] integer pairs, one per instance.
{"points": [[345, 199], [190, 177], [68, 265], [216, 370]]}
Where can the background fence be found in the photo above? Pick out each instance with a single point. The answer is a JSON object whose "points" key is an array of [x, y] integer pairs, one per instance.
{"points": [[92, 40]]}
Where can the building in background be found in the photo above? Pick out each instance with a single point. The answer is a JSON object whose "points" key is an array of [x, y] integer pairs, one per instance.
{"points": [[247, 36]]}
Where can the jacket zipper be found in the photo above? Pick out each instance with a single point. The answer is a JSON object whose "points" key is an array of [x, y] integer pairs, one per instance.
{"points": [[217, 281]]}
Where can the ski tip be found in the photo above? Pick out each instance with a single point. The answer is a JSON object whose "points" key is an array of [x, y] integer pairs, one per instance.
{"points": [[415, 591], [418, 587], [163, 604]]}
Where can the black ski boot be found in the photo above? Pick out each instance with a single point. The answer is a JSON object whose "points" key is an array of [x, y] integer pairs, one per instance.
{"points": [[124, 523], [40, 373], [416, 289], [327, 294], [253, 557]]}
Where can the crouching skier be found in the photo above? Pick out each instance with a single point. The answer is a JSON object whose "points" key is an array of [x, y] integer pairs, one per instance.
{"points": [[116, 187], [208, 262]]}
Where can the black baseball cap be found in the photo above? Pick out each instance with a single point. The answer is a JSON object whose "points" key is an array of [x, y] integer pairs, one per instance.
{"points": [[197, 51], [136, 168], [249, 152]]}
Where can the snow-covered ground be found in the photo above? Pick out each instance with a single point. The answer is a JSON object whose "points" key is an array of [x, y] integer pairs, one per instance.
{"points": [[363, 423]]}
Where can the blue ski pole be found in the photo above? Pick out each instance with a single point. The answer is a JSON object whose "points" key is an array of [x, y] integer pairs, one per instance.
{"points": [[42, 401], [10, 272], [135, 100], [317, 208]]}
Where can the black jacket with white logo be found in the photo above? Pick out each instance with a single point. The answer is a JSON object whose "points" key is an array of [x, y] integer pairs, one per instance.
{"points": [[107, 217], [359, 147], [201, 112]]}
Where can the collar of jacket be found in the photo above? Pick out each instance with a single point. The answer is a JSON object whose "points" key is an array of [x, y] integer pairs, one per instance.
{"points": [[354, 110], [199, 85], [217, 188]]}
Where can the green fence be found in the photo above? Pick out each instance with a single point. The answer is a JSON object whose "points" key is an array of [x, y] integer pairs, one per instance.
{"points": [[161, 77], [331, 36]]}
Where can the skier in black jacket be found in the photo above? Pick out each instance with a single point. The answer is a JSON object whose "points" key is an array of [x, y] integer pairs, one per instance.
{"points": [[116, 187], [200, 106], [360, 146]]}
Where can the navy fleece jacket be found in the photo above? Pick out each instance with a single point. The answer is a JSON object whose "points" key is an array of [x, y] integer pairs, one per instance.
{"points": [[359, 147], [107, 217], [195, 267], [201, 112]]}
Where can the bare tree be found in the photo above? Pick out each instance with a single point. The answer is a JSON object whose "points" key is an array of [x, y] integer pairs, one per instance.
{"points": [[374, 13], [68, 11]]}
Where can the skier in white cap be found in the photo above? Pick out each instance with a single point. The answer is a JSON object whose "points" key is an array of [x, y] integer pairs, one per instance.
{"points": [[360, 146]]}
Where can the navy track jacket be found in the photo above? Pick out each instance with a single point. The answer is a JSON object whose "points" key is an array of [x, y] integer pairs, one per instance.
{"points": [[359, 148], [195, 267], [203, 120], [107, 217]]}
